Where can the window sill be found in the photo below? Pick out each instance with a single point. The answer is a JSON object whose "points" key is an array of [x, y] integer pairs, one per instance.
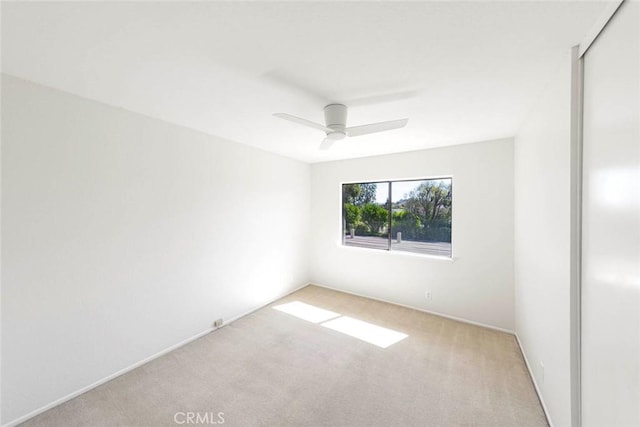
{"points": [[398, 253]]}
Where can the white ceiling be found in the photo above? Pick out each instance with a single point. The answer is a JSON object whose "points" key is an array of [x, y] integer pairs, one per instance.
{"points": [[461, 72]]}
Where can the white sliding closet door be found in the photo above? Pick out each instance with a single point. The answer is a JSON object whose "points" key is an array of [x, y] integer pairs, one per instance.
{"points": [[611, 225]]}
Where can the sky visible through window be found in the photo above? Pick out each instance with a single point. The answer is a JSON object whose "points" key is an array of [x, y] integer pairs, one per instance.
{"points": [[400, 190]]}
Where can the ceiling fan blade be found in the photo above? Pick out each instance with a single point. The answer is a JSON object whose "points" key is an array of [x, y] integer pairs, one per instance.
{"points": [[303, 122], [376, 127], [327, 143]]}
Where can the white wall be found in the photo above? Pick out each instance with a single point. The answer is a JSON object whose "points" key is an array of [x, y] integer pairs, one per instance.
{"points": [[478, 284], [124, 235], [0, 225], [542, 242], [611, 225]]}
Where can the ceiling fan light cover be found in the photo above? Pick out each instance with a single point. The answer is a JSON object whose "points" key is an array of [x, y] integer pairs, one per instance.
{"points": [[336, 136]]}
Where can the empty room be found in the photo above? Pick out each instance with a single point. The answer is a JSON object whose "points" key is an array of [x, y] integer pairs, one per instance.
{"points": [[320, 213]]}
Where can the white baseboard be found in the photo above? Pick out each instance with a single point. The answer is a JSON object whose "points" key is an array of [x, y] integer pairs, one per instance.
{"points": [[233, 319], [129, 368], [105, 379], [533, 380], [435, 313]]}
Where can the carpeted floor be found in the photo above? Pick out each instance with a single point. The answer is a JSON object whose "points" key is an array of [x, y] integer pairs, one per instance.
{"points": [[274, 369]]}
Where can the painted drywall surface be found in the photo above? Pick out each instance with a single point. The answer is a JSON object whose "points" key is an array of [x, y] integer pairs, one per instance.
{"points": [[470, 69], [0, 225], [542, 241], [124, 235], [611, 225], [478, 284]]}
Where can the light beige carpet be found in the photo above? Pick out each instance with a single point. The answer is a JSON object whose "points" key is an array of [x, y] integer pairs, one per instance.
{"points": [[273, 369]]}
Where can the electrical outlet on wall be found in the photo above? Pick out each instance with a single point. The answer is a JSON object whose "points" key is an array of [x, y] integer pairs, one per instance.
{"points": [[427, 295]]}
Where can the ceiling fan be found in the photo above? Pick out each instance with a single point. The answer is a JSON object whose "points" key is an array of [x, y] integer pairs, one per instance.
{"points": [[335, 117]]}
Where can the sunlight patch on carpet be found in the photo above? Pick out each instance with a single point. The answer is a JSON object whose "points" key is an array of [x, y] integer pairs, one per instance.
{"points": [[365, 331], [306, 312]]}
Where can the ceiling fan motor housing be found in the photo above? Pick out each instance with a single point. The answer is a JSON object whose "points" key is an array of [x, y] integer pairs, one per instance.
{"points": [[335, 117]]}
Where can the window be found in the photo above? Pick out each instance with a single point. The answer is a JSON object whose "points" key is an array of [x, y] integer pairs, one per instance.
{"points": [[410, 216]]}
